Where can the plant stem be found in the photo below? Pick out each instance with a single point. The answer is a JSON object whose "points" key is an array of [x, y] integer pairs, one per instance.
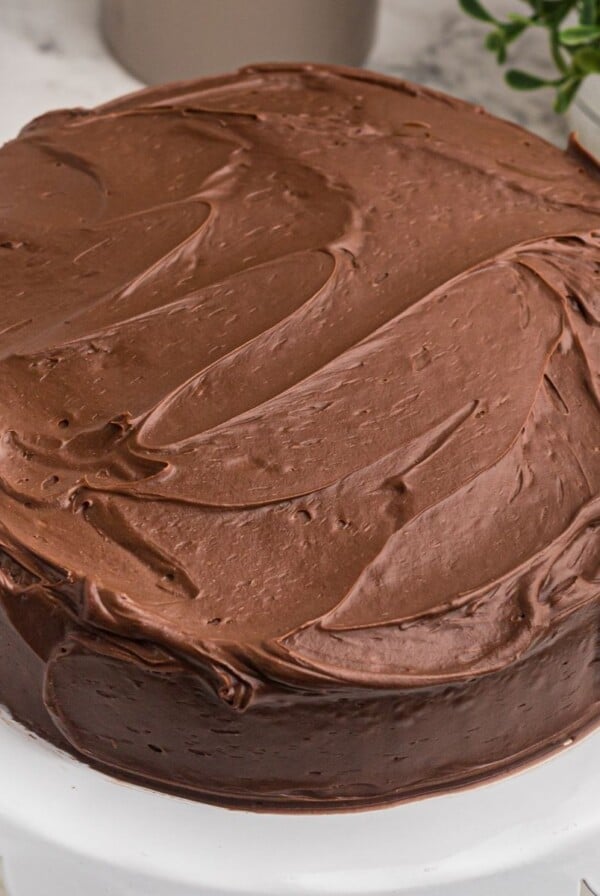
{"points": [[556, 53], [573, 28]]}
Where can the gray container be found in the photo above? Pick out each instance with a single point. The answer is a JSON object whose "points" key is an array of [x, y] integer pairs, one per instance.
{"points": [[163, 40]]}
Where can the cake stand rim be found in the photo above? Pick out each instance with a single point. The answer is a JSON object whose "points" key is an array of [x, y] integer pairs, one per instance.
{"points": [[523, 817]]}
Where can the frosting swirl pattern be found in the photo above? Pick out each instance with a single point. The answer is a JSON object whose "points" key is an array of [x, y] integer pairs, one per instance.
{"points": [[299, 420]]}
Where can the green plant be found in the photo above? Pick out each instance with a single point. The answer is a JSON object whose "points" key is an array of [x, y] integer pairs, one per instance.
{"points": [[575, 48]]}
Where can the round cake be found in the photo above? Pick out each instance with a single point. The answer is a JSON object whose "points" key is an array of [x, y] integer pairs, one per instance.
{"points": [[300, 439]]}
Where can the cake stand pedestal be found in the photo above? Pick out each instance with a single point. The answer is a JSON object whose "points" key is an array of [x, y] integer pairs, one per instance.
{"points": [[66, 830]]}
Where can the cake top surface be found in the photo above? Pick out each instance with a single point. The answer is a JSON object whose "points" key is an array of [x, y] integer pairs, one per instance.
{"points": [[299, 376]]}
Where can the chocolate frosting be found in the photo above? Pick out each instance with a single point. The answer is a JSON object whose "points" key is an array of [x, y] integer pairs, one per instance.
{"points": [[299, 398]]}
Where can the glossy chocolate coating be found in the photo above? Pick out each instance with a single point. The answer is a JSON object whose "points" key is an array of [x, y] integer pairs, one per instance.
{"points": [[300, 438]]}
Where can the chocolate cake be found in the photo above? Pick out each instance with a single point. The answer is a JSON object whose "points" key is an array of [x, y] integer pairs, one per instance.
{"points": [[300, 439]]}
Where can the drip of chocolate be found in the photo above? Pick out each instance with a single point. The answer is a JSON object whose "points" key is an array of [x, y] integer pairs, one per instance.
{"points": [[299, 438]]}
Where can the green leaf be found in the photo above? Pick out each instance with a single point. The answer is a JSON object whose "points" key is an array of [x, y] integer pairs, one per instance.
{"points": [[575, 50], [565, 94], [475, 9], [555, 11], [587, 60], [496, 44], [524, 81], [590, 12], [518, 18], [514, 30], [580, 34]]}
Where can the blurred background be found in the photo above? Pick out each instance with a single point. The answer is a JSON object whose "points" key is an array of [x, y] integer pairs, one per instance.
{"points": [[53, 53]]}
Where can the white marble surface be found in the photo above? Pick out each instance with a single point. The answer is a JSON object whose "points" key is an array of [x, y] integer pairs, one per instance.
{"points": [[51, 55]]}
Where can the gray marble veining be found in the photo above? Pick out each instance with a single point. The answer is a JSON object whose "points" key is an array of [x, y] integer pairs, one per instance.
{"points": [[433, 42]]}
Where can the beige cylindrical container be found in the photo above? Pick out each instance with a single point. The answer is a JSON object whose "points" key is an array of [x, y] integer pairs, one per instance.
{"points": [[163, 40]]}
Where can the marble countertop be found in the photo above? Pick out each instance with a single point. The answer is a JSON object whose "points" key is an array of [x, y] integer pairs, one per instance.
{"points": [[51, 55]]}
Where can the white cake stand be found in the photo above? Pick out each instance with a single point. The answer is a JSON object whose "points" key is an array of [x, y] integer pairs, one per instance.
{"points": [[66, 830]]}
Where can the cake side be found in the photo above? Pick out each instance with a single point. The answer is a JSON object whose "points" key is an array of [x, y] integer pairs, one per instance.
{"points": [[134, 711], [300, 438]]}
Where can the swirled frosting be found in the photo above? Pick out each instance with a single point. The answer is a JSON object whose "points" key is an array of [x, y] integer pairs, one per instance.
{"points": [[299, 384]]}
